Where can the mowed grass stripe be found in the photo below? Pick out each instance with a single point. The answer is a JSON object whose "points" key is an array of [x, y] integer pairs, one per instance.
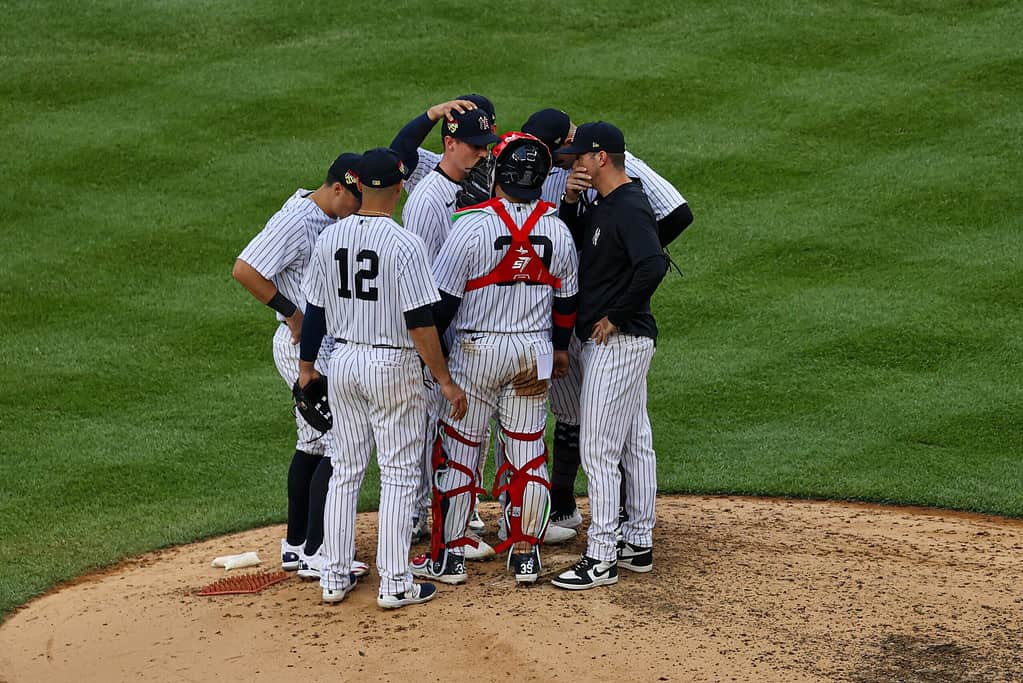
{"points": [[848, 327]]}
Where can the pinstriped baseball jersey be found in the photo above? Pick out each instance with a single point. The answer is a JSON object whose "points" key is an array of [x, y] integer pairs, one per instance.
{"points": [[477, 243], [427, 162], [365, 272], [427, 212], [281, 250], [662, 195]]}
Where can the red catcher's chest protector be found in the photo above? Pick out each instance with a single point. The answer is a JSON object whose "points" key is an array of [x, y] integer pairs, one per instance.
{"points": [[521, 263]]}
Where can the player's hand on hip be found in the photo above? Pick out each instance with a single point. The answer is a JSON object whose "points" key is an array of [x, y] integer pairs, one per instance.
{"points": [[602, 329], [560, 364], [456, 397], [442, 110], [294, 324]]}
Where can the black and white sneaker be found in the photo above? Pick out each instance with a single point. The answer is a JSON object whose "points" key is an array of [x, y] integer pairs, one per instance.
{"points": [[335, 595], [449, 569], [418, 594], [587, 573], [525, 565], [636, 558]]}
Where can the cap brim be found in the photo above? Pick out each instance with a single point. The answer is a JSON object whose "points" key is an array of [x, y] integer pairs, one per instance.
{"points": [[481, 140], [570, 149]]}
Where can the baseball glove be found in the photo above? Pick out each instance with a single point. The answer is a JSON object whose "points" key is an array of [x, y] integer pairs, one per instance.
{"points": [[311, 402], [478, 184], [526, 383]]}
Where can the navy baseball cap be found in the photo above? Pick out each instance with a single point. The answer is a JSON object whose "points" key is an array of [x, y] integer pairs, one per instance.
{"points": [[483, 103], [381, 167], [344, 170], [595, 137], [551, 126], [473, 127]]}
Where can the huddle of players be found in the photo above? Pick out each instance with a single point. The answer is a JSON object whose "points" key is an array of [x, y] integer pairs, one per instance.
{"points": [[502, 291]]}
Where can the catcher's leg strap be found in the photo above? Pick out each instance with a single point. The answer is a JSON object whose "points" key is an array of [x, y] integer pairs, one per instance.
{"points": [[515, 487], [441, 464]]}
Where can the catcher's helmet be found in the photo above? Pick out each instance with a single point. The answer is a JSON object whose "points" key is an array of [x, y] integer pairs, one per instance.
{"points": [[522, 164]]}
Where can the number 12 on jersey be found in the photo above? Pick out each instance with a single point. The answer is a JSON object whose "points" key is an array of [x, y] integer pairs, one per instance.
{"points": [[369, 264]]}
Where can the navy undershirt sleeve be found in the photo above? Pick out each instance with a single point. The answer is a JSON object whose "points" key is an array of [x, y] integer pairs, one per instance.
{"points": [[444, 311], [410, 138], [314, 326]]}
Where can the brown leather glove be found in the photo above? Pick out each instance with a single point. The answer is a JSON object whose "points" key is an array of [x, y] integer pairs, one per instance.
{"points": [[526, 384]]}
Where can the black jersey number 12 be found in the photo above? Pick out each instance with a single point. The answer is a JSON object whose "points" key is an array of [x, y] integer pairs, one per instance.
{"points": [[370, 268]]}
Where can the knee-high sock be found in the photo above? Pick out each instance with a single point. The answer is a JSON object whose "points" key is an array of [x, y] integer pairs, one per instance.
{"points": [[299, 475], [317, 502], [565, 468]]}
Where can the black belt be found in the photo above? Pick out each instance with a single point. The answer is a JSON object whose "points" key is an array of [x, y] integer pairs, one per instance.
{"points": [[375, 346]]}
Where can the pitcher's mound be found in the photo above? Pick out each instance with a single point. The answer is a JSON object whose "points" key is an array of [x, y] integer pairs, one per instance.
{"points": [[742, 589]]}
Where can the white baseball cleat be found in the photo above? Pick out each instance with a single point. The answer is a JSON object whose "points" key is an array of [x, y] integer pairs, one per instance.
{"points": [[291, 556], [570, 521], [483, 551], [332, 595], [418, 594], [553, 536], [312, 565]]}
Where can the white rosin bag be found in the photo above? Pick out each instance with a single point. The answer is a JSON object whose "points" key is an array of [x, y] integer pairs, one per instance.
{"points": [[229, 562]]}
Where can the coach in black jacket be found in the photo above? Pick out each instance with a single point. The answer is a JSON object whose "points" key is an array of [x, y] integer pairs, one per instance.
{"points": [[620, 265]]}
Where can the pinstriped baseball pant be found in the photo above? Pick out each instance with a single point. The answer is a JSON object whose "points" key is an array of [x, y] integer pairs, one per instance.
{"points": [[377, 399], [615, 428]]}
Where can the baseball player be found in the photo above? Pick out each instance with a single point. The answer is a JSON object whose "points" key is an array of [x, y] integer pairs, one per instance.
{"points": [[409, 140], [271, 268], [427, 213], [508, 276], [554, 128], [370, 287], [618, 332]]}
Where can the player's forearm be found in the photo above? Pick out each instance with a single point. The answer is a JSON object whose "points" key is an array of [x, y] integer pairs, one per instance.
{"points": [[314, 327], [262, 289], [408, 140], [576, 221], [428, 346]]}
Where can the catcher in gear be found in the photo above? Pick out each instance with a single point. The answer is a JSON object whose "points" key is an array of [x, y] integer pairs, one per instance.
{"points": [[311, 403], [507, 275]]}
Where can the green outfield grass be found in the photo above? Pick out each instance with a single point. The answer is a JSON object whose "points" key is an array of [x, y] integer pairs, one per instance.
{"points": [[849, 325]]}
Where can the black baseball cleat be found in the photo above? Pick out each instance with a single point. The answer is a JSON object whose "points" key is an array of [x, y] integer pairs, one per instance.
{"points": [[449, 569], [635, 558], [526, 566], [587, 573]]}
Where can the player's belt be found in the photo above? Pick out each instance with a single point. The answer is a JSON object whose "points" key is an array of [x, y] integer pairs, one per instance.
{"points": [[375, 346]]}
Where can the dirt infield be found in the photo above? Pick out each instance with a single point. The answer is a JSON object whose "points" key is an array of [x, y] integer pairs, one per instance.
{"points": [[742, 590]]}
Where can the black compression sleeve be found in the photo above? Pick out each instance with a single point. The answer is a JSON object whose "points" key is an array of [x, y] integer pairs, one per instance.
{"points": [[444, 311], [646, 275], [419, 317], [408, 140], [314, 326], [672, 225]]}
